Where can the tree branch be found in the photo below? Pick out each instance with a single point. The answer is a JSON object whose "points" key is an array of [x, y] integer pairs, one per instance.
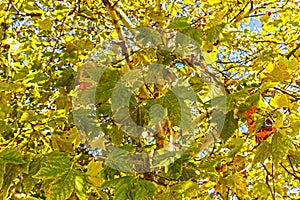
{"points": [[115, 21], [293, 51], [125, 19], [290, 173], [267, 181], [285, 92]]}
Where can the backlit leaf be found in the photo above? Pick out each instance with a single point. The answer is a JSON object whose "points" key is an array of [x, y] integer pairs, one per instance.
{"points": [[264, 150]]}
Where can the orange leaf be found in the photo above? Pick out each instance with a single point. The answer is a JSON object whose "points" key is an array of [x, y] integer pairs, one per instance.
{"points": [[250, 121], [263, 133], [251, 124], [251, 111]]}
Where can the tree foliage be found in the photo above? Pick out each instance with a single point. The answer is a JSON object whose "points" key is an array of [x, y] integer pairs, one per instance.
{"points": [[253, 45]]}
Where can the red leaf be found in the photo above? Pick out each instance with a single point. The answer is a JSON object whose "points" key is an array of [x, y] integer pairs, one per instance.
{"points": [[263, 133], [250, 121], [251, 111]]}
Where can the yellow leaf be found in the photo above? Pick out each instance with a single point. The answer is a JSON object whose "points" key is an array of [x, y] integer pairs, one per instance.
{"points": [[208, 46], [188, 2], [280, 100], [279, 73], [269, 27], [28, 116], [270, 67], [265, 18], [75, 135], [61, 143], [211, 2], [218, 18], [293, 63], [208, 59], [45, 25], [144, 94], [93, 171], [279, 122]]}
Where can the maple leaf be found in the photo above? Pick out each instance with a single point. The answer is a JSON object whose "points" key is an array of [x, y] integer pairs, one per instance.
{"points": [[251, 122], [264, 132], [64, 178]]}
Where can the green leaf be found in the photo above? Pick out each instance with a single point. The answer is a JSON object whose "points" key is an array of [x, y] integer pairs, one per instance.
{"points": [[45, 25], [184, 186], [146, 36], [262, 153], [11, 172], [180, 23], [218, 18], [28, 116], [129, 187], [261, 190], [28, 181], [115, 135], [233, 98], [280, 100], [281, 144], [293, 63], [236, 145], [106, 85], [54, 164], [85, 44], [116, 182], [9, 156], [213, 33], [197, 84], [178, 114], [35, 77], [65, 141], [230, 126], [122, 192], [80, 183], [62, 187], [181, 190], [61, 177], [267, 85], [256, 100], [94, 169]]}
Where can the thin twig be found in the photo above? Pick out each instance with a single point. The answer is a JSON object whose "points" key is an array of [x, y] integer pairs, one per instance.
{"points": [[290, 173], [293, 51], [267, 181], [285, 92], [273, 179]]}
